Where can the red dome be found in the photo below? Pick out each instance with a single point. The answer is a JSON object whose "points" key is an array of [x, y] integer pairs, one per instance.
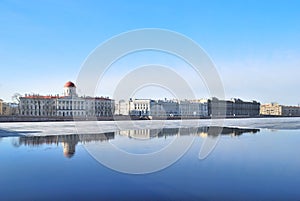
{"points": [[69, 84]]}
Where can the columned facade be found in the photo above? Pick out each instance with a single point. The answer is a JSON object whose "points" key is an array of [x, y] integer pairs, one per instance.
{"points": [[69, 105]]}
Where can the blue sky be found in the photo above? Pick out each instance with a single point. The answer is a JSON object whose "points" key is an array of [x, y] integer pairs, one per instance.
{"points": [[255, 45]]}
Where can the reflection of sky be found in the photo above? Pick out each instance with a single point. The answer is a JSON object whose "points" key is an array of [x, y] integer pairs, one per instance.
{"points": [[262, 166]]}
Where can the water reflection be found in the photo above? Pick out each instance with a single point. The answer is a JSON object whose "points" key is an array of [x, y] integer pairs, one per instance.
{"points": [[206, 131], [69, 142]]}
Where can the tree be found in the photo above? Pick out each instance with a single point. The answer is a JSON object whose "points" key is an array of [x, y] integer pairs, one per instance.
{"points": [[16, 97]]}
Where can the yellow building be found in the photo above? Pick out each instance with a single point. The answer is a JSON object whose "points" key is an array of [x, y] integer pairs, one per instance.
{"points": [[274, 109]]}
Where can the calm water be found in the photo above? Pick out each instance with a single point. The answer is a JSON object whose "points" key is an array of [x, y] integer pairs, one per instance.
{"points": [[246, 164]]}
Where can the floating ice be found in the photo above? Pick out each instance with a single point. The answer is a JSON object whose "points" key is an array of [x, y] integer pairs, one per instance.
{"points": [[88, 127]]}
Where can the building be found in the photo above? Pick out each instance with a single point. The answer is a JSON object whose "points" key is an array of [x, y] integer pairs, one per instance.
{"points": [[122, 107], [193, 108], [162, 108], [165, 108], [9, 109], [290, 111], [147, 107], [188, 108], [68, 105], [1, 105], [243, 108], [274, 109], [217, 107], [233, 108], [140, 107]]}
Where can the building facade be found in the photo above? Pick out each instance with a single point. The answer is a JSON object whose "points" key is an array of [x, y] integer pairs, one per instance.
{"points": [[165, 108], [193, 108], [68, 105], [233, 108], [9, 109], [274, 109], [162, 108], [290, 111], [122, 107], [140, 107], [147, 108], [1, 105]]}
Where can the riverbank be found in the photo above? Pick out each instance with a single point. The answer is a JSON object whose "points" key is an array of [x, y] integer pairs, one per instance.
{"points": [[115, 118], [91, 127]]}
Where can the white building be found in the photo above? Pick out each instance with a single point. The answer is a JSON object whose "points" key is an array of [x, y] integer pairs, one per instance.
{"points": [[162, 108], [68, 105], [147, 107], [122, 107], [140, 107]]}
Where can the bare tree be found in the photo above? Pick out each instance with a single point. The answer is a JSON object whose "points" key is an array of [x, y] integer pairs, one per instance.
{"points": [[16, 97]]}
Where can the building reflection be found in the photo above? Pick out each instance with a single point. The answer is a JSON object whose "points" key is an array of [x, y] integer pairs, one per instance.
{"points": [[69, 142], [206, 131]]}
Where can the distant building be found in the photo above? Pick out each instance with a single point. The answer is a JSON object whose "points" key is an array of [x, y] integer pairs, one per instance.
{"points": [[193, 108], [290, 111], [147, 107], [165, 108], [68, 105], [162, 108], [274, 109], [1, 105], [140, 107], [233, 108], [9, 109], [188, 108], [122, 107]]}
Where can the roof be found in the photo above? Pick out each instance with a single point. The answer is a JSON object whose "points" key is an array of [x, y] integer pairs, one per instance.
{"points": [[69, 84], [60, 97], [39, 97]]}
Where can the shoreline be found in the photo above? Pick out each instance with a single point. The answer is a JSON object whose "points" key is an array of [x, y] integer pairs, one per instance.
{"points": [[13, 119], [96, 127]]}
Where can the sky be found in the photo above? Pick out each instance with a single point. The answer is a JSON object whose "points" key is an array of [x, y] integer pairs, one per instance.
{"points": [[255, 45]]}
